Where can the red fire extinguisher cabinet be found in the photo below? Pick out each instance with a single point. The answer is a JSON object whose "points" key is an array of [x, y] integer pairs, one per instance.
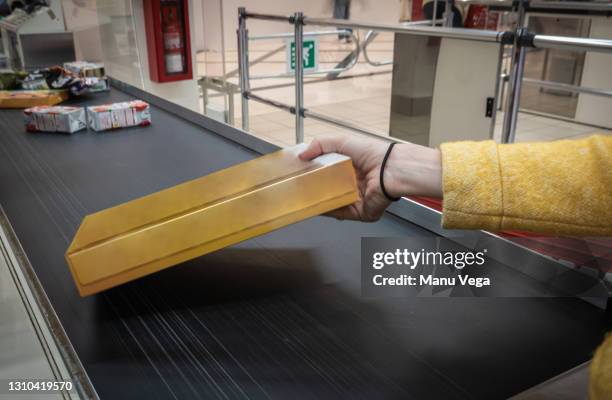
{"points": [[168, 43]]}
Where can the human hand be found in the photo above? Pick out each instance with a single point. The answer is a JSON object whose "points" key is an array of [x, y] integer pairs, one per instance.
{"points": [[410, 170]]}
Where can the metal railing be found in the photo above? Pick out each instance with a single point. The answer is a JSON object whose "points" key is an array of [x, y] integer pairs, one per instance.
{"points": [[568, 88], [299, 21], [371, 35], [519, 40], [544, 4], [369, 38], [413, 29], [571, 5]]}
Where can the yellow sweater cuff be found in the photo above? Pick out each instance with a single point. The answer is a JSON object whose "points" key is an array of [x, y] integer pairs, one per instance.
{"points": [[472, 184], [559, 188]]}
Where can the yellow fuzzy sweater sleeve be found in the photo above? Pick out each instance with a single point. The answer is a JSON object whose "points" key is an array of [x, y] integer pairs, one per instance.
{"points": [[561, 188]]}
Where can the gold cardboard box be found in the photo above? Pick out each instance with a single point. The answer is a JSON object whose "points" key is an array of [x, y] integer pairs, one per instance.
{"points": [[166, 228]]}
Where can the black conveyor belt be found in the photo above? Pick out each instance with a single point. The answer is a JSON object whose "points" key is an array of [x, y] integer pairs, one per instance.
{"points": [[276, 317]]}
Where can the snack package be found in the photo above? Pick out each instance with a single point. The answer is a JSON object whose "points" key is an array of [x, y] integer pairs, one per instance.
{"points": [[95, 84], [54, 119], [119, 115], [55, 78], [92, 73], [86, 69]]}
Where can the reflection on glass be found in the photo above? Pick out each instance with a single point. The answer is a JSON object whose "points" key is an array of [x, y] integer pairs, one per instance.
{"points": [[118, 40], [554, 65]]}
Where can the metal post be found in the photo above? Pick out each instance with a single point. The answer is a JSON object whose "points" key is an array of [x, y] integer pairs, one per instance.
{"points": [[204, 89], [517, 64], [434, 18], [230, 106], [299, 76], [498, 83], [448, 14], [243, 65], [514, 95], [223, 60]]}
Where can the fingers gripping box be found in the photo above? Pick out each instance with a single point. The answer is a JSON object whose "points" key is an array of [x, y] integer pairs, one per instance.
{"points": [[119, 115], [54, 119]]}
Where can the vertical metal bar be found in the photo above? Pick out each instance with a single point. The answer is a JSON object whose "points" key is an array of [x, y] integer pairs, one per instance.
{"points": [[299, 76], [497, 98], [435, 13], [448, 14], [230, 106], [502, 91], [243, 66], [204, 89], [514, 96], [223, 60], [517, 64]]}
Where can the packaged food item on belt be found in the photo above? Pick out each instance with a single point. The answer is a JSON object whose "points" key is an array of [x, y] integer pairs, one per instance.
{"points": [[119, 115], [54, 119], [31, 98], [163, 229], [55, 77], [93, 74], [86, 69], [95, 84]]}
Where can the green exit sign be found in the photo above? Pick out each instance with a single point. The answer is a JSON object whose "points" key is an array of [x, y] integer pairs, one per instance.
{"points": [[310, 53]]}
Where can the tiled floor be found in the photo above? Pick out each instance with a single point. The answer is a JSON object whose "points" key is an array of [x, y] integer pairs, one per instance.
{"points": [[363, 98]]}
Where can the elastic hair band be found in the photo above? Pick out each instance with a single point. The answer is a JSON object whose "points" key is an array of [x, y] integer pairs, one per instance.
{"points": [[382, 173]]}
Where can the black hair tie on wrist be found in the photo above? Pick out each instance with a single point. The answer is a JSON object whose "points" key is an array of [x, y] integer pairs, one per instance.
{"points": [[382, 173]]}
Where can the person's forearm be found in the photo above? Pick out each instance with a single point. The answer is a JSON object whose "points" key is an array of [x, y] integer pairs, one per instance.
{"points": [[414, 170]]}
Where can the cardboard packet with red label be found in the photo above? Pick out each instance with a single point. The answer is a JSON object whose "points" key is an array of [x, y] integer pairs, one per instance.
{"points": [[119, 115], [54, 119]]}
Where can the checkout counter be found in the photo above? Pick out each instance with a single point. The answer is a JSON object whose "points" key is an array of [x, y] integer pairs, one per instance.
{"points": [[278, 316]]}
